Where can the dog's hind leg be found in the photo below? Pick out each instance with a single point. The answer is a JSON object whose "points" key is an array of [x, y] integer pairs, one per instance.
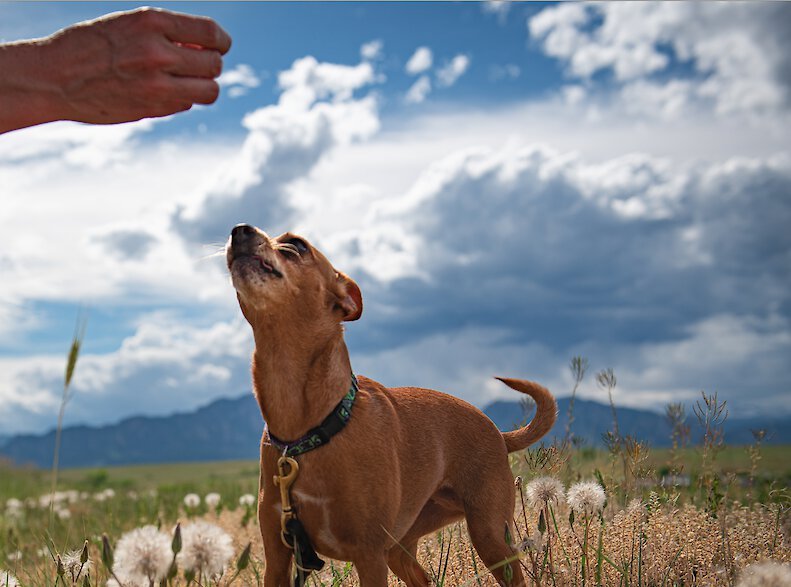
{"points": [[488, 534], [402, 558]]}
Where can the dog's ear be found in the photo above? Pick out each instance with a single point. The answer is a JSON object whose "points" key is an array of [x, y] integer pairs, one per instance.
{"points": [[350, 299]]}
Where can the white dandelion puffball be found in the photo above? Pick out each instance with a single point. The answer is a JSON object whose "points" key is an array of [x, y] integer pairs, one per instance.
{"points": [[247, 500], [586, 498], [206, 549], [7, 579], [143, 556], [192, 500], [212, 500], [543, 491], [72, 563], [763, 574]]}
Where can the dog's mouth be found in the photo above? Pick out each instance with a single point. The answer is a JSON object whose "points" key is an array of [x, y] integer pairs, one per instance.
{"points": [[257, 262]]}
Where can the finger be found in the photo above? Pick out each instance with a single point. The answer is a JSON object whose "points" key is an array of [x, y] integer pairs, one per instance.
{"points": [[195, 90], [192, 62], [195, 30]]}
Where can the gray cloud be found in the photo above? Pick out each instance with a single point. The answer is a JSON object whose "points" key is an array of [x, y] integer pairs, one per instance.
{"points": [[127, 245], [633, 254]]}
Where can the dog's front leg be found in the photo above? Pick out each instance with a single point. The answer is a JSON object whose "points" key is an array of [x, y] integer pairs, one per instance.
{"points": [[372, 571], [277, 557]]}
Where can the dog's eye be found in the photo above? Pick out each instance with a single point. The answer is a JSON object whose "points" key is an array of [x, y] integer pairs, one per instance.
{"points": [[298, 244]]}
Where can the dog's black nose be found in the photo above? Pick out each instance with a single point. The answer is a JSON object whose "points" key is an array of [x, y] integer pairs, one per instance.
{"points": [[242, 231]]}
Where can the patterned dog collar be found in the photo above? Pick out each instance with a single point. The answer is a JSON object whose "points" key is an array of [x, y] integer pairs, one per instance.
{"points": [[321, 434]]}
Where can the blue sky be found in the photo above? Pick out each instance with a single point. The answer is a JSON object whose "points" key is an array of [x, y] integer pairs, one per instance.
{"points": [[510, 185]]}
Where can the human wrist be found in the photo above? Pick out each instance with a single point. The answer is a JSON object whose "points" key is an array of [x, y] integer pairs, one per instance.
{"points": [[29, 90]]}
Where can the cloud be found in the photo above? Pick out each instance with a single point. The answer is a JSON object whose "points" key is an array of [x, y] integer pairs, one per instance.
{"points": [[372, 50], [81, 145], [418, 91], [736, 53], [635, 254], [421, 60], [500, 8], [452, 71], [239, 80], [316, 111], [509, 71], [127, 244], [165, 366]]}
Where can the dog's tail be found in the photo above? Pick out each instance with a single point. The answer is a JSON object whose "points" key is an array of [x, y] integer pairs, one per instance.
{"points": [[546, 414]]}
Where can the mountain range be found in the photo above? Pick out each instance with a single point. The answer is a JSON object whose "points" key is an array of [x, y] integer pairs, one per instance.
{"points": [[229, 429]]}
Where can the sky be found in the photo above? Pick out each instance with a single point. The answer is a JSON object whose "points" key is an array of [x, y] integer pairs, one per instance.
{"points": [[511, 185]]}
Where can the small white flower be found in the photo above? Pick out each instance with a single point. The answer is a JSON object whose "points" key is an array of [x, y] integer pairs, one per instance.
{"points": [[206, 549], [586, 498], [543, 491], [13, 504], [766, 574], [247, 500], [192, 500], [63, 513], [7, 579], [73, 565], [15, 556], [143, 556], [212, 500]]}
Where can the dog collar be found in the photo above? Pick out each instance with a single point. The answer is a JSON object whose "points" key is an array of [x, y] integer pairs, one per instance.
{"points": [[321, 434]]}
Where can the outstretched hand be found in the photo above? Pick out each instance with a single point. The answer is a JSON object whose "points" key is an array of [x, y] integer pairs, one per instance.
{"points": [[121, 67]]}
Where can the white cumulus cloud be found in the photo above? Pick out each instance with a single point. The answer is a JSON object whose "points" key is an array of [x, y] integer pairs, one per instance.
{"points": [[738, 54], [239, 80], [453, 70], [421, 60], [419, 90]]}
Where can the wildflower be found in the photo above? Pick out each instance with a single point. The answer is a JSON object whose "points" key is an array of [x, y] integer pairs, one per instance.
{"points": [[7, 579], [63, 513], [15, 556], [207, 549], [142, 556], [540, 492], [766, 574], [247, 500], [192, 500], [586, 498], [73, 565], [212, 500]]}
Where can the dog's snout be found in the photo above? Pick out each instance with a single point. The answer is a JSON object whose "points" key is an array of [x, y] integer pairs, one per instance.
{"points": [[242, 232]]}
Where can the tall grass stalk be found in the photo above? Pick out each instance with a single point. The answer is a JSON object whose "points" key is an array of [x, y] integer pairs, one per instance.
{"points": [[71, 364], [578, 366]]}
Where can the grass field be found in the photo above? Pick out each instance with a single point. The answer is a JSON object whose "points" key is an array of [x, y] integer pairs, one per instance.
{"points": [[731, 510]]}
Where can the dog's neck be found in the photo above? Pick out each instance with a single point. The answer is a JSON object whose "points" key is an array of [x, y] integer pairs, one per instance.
{"points": [[298, 383]]}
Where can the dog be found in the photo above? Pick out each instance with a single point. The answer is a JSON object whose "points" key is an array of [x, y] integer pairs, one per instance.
{"points": [[407, 462]]}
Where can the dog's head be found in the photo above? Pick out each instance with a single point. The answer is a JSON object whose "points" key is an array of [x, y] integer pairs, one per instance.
{"points": [[289, 279]]}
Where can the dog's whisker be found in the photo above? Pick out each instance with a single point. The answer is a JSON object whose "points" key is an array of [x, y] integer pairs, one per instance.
{"points": [[218, 253]]}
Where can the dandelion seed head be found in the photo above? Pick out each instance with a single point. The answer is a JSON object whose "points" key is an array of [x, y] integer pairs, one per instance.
{"points": [[247, 500], [72, 563], [586, 498], [766, 574], [143, 555], [544, 490], [7, 579], [192, 500], [212, 500], [207, 549]]}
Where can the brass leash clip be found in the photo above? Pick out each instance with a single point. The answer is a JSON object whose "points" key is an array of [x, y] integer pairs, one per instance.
{"points": [[287, 469]]}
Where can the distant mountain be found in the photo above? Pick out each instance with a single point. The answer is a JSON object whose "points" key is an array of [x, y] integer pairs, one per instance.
{"points": [[225, 429], [592, 420], [231, 429]]}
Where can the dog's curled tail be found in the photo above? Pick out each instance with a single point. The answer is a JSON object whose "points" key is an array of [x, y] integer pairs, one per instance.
{"points": [[546, 413]]}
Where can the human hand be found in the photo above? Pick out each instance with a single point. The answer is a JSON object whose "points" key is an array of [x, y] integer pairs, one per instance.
{"points": [[131, 65]]}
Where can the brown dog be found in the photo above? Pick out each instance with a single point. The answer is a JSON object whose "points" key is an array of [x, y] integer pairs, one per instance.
{"points": [[408, 461]]}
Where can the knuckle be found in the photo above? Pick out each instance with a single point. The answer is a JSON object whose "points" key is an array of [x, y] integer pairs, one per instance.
{"points": [[149, 17]]}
